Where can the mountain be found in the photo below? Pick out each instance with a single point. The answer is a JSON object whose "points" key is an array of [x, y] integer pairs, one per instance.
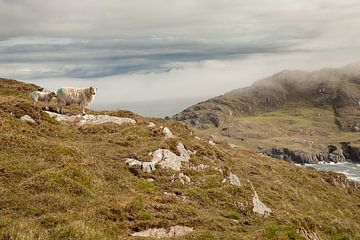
{"points": [[304, 111], [92, 177]]}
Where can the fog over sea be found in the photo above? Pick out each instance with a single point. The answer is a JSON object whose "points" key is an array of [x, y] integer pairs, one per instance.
{"points": [[151, 108]]}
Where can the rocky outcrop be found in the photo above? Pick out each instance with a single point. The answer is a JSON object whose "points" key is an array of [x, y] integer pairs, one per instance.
{"points": [[90, 119], [164, 158], [351, 153], [259, 207], [333, 155], [27, 118], [168, 133], [294, 155], [175, 231]]}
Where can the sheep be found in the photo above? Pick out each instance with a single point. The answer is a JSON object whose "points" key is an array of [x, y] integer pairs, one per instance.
{"points": [[81, 96], [42, 96]]}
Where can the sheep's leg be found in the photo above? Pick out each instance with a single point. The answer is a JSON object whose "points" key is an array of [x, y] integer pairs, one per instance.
{"points": [[46, 105], [83, 110]]}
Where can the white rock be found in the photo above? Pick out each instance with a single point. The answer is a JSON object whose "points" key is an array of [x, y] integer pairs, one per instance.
{"points": [[211, 143], [27, 118], [183, 178], [183, 152], [199, 168], [90, 119], [151, 125], [64, 118], [168, 133], [197, 138], [152, 232], [165, 158], [100, 119], [148, 167], [175, 231], [259, 207], [233, 145], [234, 180]]}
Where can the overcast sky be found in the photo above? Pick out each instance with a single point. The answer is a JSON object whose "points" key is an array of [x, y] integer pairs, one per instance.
{"points": [[142, 50]]}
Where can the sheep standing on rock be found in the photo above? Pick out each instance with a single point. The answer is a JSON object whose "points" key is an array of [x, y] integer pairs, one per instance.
{"points": [[42, 96], [81, 96]]}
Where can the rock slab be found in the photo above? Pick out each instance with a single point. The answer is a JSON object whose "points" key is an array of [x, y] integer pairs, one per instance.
{"points": [[90, 119], [175, 231]]}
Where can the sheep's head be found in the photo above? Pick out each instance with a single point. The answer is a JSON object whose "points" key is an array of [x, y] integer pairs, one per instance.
{"points": [[52, 94], [93, 90]]}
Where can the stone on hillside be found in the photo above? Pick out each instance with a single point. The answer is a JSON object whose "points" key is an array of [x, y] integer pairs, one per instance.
{"points": [[100, 119], [145, 166], [211, 143], [165, 158], [27, 118], [133, 162], [259, 207], [234, 180], [232, 145], [199, 168], [175, 231], [151, 125], [168, 133], [63, 118], [148, 167], [183, 152], [308, 235], [152, 232], [90, 119], [182, 178]]}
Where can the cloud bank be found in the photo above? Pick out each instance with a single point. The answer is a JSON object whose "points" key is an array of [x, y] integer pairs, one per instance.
{"points": [[171, 49]]}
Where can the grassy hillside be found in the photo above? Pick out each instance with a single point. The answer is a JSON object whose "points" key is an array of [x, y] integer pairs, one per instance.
{"points": [[58, 181], [300, 110]]}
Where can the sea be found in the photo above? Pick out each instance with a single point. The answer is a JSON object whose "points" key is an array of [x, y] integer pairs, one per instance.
{"points": [[351, 170]]}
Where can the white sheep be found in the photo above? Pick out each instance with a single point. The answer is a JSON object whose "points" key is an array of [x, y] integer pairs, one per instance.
{"points": [[81, 96], [42, 96]]}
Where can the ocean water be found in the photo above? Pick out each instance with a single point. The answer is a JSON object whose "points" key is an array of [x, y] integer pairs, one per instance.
{"points": [[351, 170]]}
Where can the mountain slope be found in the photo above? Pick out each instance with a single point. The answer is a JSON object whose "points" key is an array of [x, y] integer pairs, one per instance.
{"points": [[59, 180], [296, 109]]}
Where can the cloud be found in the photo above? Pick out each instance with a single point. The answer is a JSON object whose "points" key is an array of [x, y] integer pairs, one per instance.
{"points": [[172, 48]]}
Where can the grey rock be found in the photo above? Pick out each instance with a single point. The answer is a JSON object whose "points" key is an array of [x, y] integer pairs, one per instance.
{"points": [[148, 167], [175, 231], [182, 178], [27, 118], [165, 158], [90, 119], [234, 180], [258, 206], [168, 133], [183, 152], [133, 162], [211, 143], [199, 168]]}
